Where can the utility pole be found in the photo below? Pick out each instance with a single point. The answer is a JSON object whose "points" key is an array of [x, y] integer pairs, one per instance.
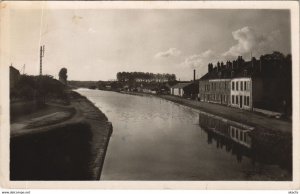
{"points": [[40, 96], [42, 52]]}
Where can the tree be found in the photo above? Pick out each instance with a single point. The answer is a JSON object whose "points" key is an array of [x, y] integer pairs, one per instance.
{"points": [[63, 75]]}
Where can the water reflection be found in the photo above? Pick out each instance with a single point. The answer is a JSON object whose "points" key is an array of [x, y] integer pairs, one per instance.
{"points": [[245, 141], [155, 139]]}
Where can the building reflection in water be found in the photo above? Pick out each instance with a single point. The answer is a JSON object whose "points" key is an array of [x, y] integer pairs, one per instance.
{"points": [[245, 141]]}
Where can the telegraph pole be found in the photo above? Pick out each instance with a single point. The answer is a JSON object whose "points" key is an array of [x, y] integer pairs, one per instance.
{"points": [[42, 52], [39, 95]]}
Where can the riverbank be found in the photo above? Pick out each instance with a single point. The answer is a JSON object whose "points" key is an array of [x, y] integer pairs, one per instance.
{"points": [[263, 122], [60, 142]]}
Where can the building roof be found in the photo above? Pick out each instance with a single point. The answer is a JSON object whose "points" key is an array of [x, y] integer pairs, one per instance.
{"points": [[215, 74], [181, 85], [14, 70], [244, 69]]}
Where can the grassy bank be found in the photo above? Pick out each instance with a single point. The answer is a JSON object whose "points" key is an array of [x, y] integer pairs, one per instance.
{"points": [[73, 148]]}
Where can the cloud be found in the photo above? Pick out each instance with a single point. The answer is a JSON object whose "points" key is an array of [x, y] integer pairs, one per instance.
{"points": [[171, 52], [250, 40], [202, 59]]}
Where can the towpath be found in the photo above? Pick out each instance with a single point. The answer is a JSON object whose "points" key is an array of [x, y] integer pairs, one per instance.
{"points": [[243, 116]]}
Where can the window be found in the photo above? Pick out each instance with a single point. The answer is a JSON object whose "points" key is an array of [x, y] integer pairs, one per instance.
{"points": [[237, 99], [237, 86], [232, 99], [241, 86], [245, 100], [241, 135], [248, 103], [232, 85], [245, 85]]}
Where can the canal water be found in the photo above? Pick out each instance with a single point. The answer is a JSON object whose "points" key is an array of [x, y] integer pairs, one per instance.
{"points": [[154, 139]]}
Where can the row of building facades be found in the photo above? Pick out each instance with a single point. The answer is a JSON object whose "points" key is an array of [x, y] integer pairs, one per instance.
{"points": [[264, 84]]}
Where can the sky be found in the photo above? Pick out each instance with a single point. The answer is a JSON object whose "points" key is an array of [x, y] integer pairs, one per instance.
{"points": [[96, 44]]}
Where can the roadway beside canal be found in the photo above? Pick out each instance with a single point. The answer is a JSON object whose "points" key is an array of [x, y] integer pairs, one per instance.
{"points": [[243, 116], [254, 119]]}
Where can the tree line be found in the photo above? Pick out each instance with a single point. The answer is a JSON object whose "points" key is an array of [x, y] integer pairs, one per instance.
{"points": [[145, 77]]}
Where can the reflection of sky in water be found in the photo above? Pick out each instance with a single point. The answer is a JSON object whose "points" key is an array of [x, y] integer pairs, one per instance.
{"points": [[154, 139]]}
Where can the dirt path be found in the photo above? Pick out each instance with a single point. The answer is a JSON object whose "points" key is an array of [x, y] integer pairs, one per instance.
{"points": [[58, 130], [47, 116]]}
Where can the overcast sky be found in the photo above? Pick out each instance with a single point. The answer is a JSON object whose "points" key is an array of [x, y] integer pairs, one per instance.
{"points": [[96, 44]]}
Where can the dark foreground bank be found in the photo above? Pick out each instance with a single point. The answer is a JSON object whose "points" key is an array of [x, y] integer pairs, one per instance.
{"points": [[72, 149]]}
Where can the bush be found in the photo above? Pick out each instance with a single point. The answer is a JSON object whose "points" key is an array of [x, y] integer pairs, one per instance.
{"points": [[31, 87]]}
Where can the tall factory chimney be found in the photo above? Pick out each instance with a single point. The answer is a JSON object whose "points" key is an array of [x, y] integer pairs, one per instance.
{"points": [[194, 75]]}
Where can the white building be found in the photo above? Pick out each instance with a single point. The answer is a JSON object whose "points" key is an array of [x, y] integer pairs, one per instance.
{"points": [[180, 89], [241, 93]]}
